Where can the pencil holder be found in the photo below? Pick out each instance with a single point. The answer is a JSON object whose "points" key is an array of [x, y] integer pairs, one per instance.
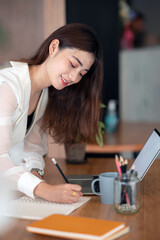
{"points": [[127, 193]]}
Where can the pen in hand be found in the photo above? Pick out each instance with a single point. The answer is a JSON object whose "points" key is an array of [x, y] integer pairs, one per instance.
{"points": [[59, 169]]}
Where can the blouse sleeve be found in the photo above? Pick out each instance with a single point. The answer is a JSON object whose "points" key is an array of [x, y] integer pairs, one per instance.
{"points": [[35, 147], [20, 177]]}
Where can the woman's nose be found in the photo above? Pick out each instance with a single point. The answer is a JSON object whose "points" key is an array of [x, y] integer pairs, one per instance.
{"points": [[73, 75]]}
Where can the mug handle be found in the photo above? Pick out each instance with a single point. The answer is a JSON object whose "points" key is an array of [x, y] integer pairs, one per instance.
{"points": [[93, 186]]}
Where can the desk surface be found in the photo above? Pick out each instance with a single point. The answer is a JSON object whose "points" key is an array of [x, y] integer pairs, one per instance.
{"points": [[129, 137], [144, 224]]}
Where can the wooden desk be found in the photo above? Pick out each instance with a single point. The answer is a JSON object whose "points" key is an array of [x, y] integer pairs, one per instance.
{"points": [[144, 224], [129, 137]]}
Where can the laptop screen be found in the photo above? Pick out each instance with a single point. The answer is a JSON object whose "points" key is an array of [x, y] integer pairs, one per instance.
{"points": [[148, 154]]}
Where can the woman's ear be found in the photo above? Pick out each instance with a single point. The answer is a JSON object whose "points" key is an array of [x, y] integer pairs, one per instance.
{"points": [[54, 47]]}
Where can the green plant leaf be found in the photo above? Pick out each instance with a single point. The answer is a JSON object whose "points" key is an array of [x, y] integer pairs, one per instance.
{"points": [[99, 136], [102, 105]]}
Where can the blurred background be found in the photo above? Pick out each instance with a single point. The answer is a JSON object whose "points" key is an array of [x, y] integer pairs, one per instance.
{"points": [[129, 34]]}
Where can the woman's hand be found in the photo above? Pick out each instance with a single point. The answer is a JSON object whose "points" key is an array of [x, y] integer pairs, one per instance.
{"points": [[62, 193]]}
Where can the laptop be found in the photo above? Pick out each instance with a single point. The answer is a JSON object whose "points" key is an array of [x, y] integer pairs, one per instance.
{"points": [[142, 163], [148, 154]]}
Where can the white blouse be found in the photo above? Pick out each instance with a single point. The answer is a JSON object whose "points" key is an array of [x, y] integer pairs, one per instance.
{"points": [[20, 151]]}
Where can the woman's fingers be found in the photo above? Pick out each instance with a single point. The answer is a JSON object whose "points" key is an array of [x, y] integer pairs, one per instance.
{"points": [[76, 191], [62, 193], [71, 193], [75, 187]]}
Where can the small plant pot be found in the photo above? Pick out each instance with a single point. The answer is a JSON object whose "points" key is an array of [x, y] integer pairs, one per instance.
{"points": [[75, 153]]}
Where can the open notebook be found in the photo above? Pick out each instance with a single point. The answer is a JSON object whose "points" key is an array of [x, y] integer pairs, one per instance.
{"points": [[28, 208]]}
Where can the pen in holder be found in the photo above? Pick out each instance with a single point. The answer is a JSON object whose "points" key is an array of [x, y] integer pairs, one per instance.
{"points": [[126, 191]]}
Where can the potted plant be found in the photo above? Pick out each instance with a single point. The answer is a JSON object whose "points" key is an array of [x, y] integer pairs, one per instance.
{"points": [[75, 153]]}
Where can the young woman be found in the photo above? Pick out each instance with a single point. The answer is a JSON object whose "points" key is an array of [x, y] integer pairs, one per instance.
{"points": [[55, 92]]}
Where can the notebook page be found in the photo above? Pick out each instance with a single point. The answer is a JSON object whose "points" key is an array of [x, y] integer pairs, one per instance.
{"points": [[28, 208]]}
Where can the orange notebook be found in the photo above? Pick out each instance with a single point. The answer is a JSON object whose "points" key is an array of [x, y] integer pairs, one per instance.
{"points": [[78, 227]]}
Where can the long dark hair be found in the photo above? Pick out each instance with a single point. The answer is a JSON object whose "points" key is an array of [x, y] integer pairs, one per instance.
{"points": [[73, 112]]}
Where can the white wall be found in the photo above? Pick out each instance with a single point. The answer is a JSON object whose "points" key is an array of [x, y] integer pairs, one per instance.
{"points": [[140, 84]]}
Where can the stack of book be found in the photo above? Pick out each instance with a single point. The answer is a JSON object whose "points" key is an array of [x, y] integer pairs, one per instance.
{"points": [[73, 227]]}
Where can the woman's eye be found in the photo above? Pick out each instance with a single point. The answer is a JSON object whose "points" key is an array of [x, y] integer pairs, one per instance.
{"points": [[72, 64]]}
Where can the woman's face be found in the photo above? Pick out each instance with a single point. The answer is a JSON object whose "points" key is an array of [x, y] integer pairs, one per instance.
{"points": [[67, 66]]}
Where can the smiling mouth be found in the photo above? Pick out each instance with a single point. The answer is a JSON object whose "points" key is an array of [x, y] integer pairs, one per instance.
{"points": [[64, 81]]}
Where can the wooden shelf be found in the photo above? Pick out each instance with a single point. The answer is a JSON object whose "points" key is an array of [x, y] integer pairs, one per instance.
{"points": [[129, 137]]}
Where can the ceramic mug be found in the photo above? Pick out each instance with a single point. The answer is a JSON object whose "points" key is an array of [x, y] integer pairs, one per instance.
{"points": [[106, 184]]}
